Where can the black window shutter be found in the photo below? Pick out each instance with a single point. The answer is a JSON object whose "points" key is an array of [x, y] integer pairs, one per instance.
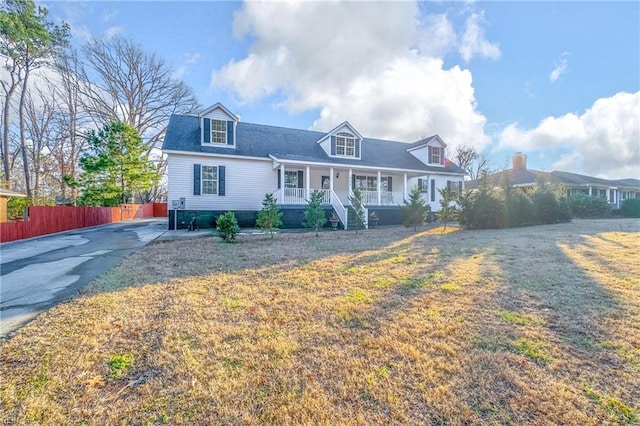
{"points": [[353, 181], [449, 186], [433, 189], [196, 179], [357, 147], [420, 185], [279, 180], [429, 153], [207, 130], [300, 179], [230, 133], [389, 187], [221, 181], [333, 145], [460, 186]]}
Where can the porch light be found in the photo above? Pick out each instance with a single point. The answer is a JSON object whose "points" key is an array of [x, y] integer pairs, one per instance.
{"points": [[337, 175]]}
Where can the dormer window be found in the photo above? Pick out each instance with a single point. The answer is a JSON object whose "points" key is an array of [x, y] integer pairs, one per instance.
{"points": [[346, 144], [218, 131], [436, 155]]}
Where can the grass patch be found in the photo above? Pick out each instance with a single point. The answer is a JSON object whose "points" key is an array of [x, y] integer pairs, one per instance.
{"points": [[516, 318], [384, 327], [118, 365], [532, 350]]}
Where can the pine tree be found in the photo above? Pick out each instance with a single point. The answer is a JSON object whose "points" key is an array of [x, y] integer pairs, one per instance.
{"points": [[314, 216], [447, 208], [357, 210], [116, 168], [414, 212], [270, 217]]}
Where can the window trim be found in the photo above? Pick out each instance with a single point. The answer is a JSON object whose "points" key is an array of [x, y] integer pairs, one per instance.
{"points": [[431, 153], [346, 139], [215, 181], [217, 132]]}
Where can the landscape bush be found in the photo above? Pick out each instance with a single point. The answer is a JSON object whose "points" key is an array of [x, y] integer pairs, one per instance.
{"points": [[584, 206], [415, 211], [631, 207], [490, 208], [228, 227]]}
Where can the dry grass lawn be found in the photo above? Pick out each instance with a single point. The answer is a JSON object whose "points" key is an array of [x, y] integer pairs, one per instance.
{"points": [[536, 325]]}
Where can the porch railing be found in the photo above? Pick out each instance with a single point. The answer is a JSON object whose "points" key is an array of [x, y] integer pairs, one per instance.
{"points": [[340, 209], [387, 198], [300, 195]]}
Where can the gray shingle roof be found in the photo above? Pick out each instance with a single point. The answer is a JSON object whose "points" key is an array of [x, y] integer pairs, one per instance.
{"points": [[530, 176], [258, 140]]}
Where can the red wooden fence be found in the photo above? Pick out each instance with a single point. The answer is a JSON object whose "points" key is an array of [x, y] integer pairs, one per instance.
{"points": [[44, 220]]}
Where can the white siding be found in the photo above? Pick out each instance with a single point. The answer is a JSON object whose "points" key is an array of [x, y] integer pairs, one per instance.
{"points": [[441, 182], [219, 114], [246, 182], [422, 154]]}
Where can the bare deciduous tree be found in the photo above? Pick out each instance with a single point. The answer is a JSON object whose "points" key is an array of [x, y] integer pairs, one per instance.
{"points": [[123, 83], [476, 165]]}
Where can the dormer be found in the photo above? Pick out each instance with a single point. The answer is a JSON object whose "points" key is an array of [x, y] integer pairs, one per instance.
{"points": [[218, 127], [343, 141], [431, 151]]}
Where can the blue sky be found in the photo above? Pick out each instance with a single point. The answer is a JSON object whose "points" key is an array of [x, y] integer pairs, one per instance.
{"points": [[559, 81]]}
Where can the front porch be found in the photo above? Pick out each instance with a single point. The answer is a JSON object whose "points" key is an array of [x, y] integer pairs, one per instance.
{"points": [[296, 183]]}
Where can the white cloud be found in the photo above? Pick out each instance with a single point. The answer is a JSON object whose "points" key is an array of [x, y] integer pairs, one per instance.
{"points": [[380, 71], [112, 32], [189, 60], [603, 141], [560, 67], [474, 42]]}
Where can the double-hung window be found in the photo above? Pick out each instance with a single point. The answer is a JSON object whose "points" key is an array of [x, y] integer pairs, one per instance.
{"points": [[346, 144], [435, 155], [209, 180], [218, 131]]}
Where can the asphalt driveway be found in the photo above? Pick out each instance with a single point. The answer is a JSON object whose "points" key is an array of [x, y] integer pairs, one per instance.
{"points": [[38, 273]]}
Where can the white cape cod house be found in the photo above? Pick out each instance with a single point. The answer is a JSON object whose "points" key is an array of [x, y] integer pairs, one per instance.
{"points": [[217, 163]]}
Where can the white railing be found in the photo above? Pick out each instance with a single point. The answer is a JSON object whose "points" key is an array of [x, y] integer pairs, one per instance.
{"points": [[300, 195], [387, 198], [340, 209]]}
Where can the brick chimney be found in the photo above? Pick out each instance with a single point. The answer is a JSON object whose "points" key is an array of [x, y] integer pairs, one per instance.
{"points": [[519, 161]]}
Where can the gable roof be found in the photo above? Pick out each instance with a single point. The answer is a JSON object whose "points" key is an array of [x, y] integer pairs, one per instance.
{"points": [[263, 141], [222, 107], [424, 142], [339, 127]]}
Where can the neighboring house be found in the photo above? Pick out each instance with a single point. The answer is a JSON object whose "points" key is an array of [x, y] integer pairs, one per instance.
{"points": [[614, 191], [5, 194], [217, 163]]}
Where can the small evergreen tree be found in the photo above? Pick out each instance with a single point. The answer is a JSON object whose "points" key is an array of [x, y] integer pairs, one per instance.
{"points": [[314, 216], [228, 227], [447, 206], [270, 217], [357, 210], [465, 202], [414, 212]]}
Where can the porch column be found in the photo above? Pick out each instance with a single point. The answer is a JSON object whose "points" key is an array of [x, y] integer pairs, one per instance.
{"points": [[308, 183], [331, 179], [282, 200], [379, 185], [590, 191], [405, 187]]}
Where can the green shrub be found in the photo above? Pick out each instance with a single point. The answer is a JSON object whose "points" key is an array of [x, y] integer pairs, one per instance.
{"points": [[518, 209], [547, 207], [228, 227], [631, 207], [585, 206], [356, 211]]}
